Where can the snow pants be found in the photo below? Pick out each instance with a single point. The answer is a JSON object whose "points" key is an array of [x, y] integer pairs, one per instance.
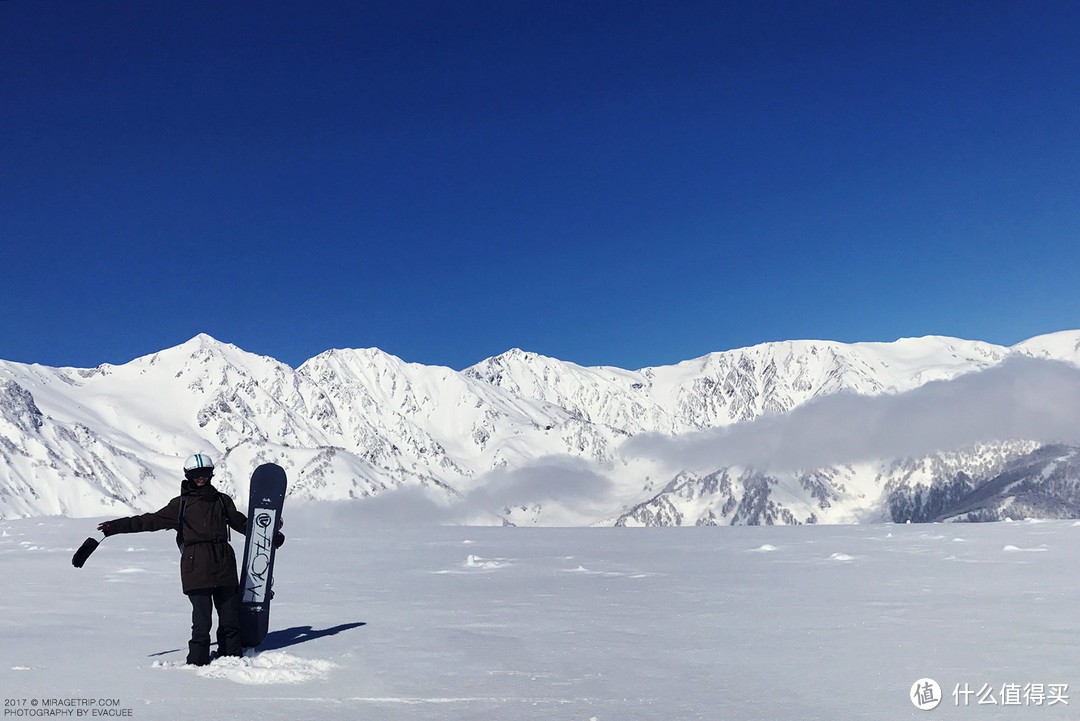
{"points": [[227, 603]]}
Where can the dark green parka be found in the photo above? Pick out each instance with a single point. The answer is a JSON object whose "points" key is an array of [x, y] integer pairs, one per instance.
{"points": [[207, 559]]}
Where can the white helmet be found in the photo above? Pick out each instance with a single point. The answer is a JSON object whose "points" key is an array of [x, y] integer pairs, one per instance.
{"points": [[198, 461]]}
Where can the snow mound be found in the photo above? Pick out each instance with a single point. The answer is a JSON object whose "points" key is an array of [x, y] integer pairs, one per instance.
{"points": [[485, 563], [579, 569], [269, 667]]}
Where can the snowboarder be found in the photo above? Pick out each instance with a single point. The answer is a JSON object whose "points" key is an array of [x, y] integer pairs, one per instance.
{"points": [[201, 516]]}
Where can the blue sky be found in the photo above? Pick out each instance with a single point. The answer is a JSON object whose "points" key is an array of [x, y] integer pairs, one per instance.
{"points": [[620, 183]]}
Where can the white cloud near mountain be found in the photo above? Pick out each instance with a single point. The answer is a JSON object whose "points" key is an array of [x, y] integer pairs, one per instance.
{"points": [[1020, 398], [554, 478]]}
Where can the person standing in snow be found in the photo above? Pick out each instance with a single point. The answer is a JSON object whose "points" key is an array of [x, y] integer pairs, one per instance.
{"points": [[202, 516]]}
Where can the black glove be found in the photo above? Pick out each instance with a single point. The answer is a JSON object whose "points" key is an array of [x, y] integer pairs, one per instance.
{"points": [[279, 539], [106, 528], [84, 552]]}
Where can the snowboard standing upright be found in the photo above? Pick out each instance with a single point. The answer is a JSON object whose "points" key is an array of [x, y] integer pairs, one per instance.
{"points": [[265, 500]]}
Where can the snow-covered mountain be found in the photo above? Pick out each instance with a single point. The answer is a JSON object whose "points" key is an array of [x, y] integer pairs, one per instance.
{"points": [[518, 438]]}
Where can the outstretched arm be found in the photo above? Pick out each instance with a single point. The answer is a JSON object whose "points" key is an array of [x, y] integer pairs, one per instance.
{"points": [[161, 520], [167, 517]]}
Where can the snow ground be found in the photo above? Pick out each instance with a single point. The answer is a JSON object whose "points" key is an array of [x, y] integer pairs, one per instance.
{"points": [[812, 622]]}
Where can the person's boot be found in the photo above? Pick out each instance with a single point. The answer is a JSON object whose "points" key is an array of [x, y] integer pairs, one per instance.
{"points": [[198, 653]]}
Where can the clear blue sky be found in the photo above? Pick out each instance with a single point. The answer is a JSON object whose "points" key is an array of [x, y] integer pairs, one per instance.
{"points": [[622, 183]]}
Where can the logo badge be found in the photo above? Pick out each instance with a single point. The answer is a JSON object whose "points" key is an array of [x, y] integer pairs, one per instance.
{"points": [[925, 694]]}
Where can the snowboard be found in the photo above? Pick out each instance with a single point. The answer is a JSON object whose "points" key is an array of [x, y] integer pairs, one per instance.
{"points": [[265, 499]]}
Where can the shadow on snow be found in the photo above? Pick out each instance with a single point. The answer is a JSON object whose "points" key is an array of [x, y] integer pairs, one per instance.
{"points": [[302, 634], [284, 638]]}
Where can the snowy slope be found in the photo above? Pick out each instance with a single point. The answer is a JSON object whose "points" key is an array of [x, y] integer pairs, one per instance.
{"points": [[519, 437], [1063, 346]]}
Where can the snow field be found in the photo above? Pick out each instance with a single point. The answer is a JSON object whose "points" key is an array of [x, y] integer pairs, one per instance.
{"points": [[825, 622]]}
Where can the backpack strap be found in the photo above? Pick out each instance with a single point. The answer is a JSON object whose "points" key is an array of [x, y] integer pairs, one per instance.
{"points": [[225, 515], [180, 525]]}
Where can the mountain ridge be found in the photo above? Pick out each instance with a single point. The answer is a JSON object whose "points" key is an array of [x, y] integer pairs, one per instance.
{"points": [[355, 423]]}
